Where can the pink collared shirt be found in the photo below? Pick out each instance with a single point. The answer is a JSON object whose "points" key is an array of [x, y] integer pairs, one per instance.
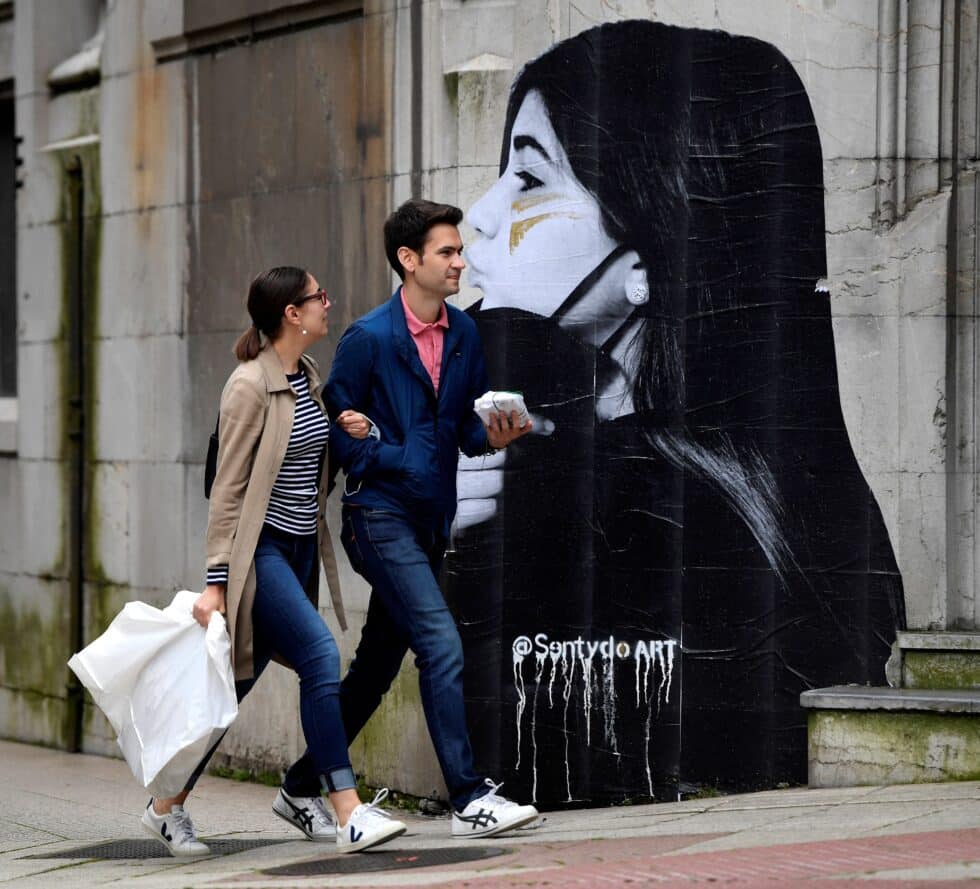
{"points": [[428, 339]]}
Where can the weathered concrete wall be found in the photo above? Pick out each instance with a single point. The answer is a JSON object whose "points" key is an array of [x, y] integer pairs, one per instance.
{"points": [[212, 162], [853, 748], [33, 559]]}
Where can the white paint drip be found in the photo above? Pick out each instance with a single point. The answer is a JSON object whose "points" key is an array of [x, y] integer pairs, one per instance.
{"points": [[609, 703], [521, 699], [587, 696], [534, 727], [555, 658], [650, 658], [569, 674]]}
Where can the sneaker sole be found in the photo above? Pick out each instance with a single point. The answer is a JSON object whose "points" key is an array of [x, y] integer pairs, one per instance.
{"points": [[361, 845], [150, 830], [329, 838], [497, 829]]}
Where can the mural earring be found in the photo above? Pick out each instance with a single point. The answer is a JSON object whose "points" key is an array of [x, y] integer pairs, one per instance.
{"points": [[636, 287]]}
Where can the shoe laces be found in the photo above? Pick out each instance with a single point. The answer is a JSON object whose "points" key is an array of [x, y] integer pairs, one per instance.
{"points": [[494, 798], [371, 810], [183, 826], [320, 812]]}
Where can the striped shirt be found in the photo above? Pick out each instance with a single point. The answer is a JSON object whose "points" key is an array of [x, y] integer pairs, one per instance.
{"points": [[294, 498]]}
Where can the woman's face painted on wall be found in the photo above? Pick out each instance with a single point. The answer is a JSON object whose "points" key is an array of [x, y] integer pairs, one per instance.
{"points": [[542, 232]]}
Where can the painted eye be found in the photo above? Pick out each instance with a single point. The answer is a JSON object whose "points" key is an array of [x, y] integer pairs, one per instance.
{"points": [[529, 181]]}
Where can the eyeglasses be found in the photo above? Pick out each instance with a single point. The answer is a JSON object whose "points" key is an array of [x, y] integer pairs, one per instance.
{"points": [[320, 295]]}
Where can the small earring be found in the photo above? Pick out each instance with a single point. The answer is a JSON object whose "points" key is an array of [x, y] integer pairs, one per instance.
{"points": [[304, 331], [636, 287]]}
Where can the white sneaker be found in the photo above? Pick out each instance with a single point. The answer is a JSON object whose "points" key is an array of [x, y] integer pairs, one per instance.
{"points": [[175, 830], [306, 813], [490, 815], [368, 826]]}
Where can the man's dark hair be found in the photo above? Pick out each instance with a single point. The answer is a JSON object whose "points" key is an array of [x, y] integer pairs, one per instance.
{"points": [[409, 227]]}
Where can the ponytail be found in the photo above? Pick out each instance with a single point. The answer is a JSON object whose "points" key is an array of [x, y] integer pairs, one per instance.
{"points": [[268, 296], [249, 345]]}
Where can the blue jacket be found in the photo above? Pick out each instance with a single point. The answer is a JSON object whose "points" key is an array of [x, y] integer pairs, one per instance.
{"points": [[411, 470]]}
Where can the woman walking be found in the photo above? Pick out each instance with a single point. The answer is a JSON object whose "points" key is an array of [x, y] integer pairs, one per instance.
{"points": [[265, 527]]}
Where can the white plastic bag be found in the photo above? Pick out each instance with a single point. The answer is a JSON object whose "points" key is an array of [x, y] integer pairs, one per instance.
{"points": [[166, 686]]}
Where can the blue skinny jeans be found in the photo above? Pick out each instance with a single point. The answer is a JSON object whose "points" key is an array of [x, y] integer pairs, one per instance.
{"points": [[285, 623], [406, 610]]}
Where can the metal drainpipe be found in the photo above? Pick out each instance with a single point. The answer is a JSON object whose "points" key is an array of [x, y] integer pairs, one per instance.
{"points": [[76, 443], [415, 21], [955, 552]]}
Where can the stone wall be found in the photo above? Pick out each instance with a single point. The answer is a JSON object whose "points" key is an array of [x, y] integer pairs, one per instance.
{"points": [[270, 133]]}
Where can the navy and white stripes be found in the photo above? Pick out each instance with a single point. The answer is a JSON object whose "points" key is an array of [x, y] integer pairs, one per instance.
{"points": [[293, 501]]}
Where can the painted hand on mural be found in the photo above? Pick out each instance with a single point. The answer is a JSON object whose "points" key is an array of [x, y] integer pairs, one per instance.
{"points": [[480, 481]]}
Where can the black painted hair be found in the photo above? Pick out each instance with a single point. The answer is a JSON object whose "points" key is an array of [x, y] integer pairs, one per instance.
{"points": [[702, 153], [409, 227], [268, 295]]}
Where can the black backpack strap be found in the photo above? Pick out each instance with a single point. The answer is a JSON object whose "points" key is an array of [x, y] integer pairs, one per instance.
{"points": [[211, 461]]}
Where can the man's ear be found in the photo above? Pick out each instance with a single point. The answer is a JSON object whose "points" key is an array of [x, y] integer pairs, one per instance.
{"points": [[408, 258]]}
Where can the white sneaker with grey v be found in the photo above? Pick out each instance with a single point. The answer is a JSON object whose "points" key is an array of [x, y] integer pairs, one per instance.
{"points": [[175, 830], [368, 826]]}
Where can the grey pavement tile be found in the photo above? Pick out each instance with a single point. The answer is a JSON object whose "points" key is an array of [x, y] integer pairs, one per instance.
{"points": [[944, 816], [856, 819], [14, 835], [94, 819], [899, 792], [794, 797]]}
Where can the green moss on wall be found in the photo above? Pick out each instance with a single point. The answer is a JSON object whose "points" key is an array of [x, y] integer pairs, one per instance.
{"points": [[87, 159], [390, 742], [852, 747], [33, 642], [941, 669]]}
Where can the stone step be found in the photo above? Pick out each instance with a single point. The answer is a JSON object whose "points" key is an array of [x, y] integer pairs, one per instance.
{"points": [[861, 735], [935, 660]]}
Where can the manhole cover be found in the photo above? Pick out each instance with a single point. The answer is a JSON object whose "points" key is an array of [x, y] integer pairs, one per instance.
{"points": [[150, 849], [385, 860]]}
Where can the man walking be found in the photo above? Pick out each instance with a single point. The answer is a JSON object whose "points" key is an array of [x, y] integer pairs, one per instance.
{"points": [[415, 365]]}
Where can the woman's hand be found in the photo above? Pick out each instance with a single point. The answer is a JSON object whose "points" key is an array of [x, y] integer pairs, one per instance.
{"points": [[354, 424], [211, 600]]}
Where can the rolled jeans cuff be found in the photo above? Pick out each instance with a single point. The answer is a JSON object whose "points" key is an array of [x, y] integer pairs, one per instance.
{"points": [[339, 779]]}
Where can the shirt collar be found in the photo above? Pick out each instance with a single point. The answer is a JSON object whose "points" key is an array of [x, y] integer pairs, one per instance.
{"points": [[415, 327]]}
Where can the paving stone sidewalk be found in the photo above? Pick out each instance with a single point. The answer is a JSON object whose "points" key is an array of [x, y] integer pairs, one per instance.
{"points": [[63, 815]]}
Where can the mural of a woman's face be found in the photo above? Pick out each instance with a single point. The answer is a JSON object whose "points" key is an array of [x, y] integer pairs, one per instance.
{"points": [[696, 484], [542, 232]]}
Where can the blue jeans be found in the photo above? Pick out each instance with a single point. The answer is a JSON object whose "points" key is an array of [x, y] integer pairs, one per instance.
{"points": [[407, 610], [285, 623]]}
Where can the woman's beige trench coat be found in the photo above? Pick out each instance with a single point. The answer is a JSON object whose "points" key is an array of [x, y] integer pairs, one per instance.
{"points": [[257, 407]]}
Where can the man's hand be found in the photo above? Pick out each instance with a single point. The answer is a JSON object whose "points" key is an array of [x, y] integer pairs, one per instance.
{"points": [[211, 600], [504, 429]]}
